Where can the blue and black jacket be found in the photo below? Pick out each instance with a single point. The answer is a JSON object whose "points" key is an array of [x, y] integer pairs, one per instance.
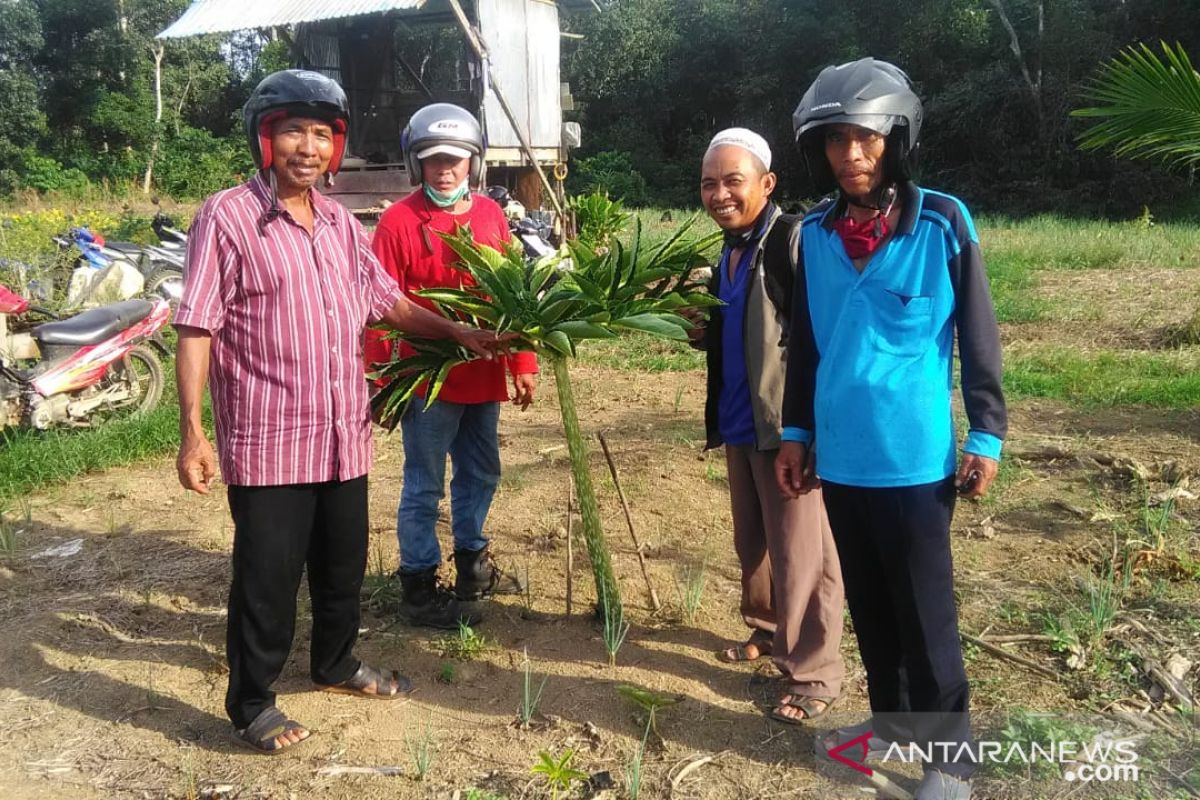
{"points": [[870, 361]]}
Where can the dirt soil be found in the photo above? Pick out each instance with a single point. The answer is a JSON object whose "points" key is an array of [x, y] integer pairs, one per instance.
{"points": [[113, 669]]}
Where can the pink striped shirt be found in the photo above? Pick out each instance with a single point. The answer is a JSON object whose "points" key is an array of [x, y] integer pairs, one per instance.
{"points": [[286, 311]]}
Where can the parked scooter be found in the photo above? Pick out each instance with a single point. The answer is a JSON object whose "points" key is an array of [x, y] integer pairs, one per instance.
{"points": [[74, 370], [108, 270]]}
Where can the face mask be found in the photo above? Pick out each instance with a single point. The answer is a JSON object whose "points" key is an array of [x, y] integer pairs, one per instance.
{"points": [[446, 200]]}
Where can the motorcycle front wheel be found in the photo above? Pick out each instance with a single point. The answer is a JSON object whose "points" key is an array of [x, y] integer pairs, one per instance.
{"points": [[142, 374]]}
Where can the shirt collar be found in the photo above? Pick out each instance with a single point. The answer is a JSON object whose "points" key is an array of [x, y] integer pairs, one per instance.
{"points": [[909, 197], [753, 236], [324, 208]]}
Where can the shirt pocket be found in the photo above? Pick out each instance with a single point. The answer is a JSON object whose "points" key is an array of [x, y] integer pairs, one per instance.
{"points": [[899, 323]]}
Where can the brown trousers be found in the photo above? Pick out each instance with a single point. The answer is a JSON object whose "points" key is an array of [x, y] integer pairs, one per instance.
{"points": [[791, 578]]}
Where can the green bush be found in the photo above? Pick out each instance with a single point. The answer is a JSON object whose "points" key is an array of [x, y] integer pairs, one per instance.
{"points": [[45, 174], [194, 163], [611, 172]]}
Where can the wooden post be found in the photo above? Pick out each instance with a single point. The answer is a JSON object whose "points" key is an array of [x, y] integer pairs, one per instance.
{"points": [[570, 545], [612, 467]]}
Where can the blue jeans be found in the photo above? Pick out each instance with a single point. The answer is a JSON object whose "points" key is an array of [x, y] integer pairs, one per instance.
{"points": [[468, 434]]}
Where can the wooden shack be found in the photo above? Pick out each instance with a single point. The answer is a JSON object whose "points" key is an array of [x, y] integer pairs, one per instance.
{"points": [[394, 56]]}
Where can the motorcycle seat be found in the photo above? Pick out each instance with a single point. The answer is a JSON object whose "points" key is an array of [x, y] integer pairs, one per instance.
{"points": [[94, 325], [125, 248]]}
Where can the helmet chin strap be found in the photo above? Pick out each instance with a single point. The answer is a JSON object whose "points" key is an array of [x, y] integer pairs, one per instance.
{"points": [[863, 238], [274, 211], [881, 199]]}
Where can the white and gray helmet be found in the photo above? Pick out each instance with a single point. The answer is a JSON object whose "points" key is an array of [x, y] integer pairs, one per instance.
{"points": [[871, 94], [443, 128]]}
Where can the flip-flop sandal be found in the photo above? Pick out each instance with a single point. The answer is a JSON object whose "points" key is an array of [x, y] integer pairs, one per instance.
{"points": [[739, 654], [813, 707], [260, 734], [366, 677]]}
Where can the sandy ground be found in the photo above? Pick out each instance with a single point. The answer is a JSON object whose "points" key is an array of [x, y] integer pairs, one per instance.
{"points": [[113, 670]]}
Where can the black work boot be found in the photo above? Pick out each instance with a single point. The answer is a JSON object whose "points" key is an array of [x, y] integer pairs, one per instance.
{"points": [[431, 605], [478, 576]]}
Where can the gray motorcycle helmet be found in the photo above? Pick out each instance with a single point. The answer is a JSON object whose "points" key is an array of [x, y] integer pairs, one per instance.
{"points": [[443, 128], [872, 94]]}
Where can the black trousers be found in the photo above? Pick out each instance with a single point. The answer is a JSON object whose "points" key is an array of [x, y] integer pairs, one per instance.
{"points": [[894, 547], [277, 531]]}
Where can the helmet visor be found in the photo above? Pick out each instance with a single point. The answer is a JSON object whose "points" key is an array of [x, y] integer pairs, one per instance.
{"points": [[444, 149], [879, 123]]}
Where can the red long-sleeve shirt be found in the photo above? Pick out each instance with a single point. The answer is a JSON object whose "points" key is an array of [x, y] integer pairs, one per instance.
{"points": [[407, 244]]}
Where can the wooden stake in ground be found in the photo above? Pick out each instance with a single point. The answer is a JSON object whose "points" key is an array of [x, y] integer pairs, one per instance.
{"points": [[570, 546], [612, 467]]}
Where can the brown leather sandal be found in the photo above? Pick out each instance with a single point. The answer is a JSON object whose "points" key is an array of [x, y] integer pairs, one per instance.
{"points": [[738, 653], [811, 707], [270, 724], [366, 677]]}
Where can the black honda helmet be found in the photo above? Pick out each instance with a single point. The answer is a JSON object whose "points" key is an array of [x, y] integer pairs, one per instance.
{"points": [[871, 94], [295, 93], [443, 128]]}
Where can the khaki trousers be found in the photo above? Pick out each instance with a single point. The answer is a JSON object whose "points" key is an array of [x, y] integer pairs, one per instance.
{"points": [[791, 578]]}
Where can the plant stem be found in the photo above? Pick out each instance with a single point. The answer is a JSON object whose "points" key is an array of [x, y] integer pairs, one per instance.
{"points": [[593, 532]]}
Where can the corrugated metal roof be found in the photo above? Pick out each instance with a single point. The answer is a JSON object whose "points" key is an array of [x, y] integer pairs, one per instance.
{"points": [[222, 16]]}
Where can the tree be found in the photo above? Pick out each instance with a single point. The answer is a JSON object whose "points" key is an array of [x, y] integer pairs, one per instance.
{"points": [[608, 289], [21, 120], [1149, 109]]}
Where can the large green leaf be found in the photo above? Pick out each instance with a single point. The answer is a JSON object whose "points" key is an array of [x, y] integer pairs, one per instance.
{"points": [[650, 323], [1150, 106], [581, 329]]}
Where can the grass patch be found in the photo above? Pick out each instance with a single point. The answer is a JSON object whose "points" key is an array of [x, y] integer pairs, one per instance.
{"points": [[1049, 242], [1106, 378], [31, 459], [1013, 285], [640, 352]]}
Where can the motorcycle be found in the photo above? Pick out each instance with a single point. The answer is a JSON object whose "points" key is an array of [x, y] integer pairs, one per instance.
{"points": [[533, 229], [74, 370], [110, 270]]}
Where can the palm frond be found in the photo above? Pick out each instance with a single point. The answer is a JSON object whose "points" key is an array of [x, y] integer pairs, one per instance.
{"points": [[1149, 104]]}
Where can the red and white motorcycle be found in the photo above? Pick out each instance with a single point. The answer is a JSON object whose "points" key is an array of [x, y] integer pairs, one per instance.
{"points": [[71, 371]]}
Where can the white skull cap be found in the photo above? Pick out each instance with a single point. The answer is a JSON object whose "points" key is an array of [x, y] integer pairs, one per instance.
{"points": [[746, 139]]}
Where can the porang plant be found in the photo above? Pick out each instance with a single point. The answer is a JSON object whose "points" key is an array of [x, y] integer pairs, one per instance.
{"points": [[549, 306]]}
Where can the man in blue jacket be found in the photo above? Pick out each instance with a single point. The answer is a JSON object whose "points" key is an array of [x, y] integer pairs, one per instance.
{"points": [[891, 272]]}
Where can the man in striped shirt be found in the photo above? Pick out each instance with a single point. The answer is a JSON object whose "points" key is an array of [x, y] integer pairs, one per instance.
{"points": [[279, 285]]}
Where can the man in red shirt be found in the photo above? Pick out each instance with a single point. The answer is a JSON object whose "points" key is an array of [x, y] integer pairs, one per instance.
{"points": [[443, 149], [279, 284]]}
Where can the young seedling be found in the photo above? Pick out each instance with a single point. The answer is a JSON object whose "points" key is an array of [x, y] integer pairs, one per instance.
{"points": [[421, 748], [559, 774], [527, 596], [447, 673], [649, 701], [529, 698], [466, 645], [691, 590], [633, 772], [615, 626], [8, 539]]}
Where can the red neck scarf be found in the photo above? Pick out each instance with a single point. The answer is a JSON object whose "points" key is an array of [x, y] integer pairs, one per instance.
{"points": [[861, 239]]}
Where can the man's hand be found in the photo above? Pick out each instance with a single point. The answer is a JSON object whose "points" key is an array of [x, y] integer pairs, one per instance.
{"points": [[485, 344], [196, 464], [795, 470], [699, 319], [975, 475], [523, 386]]}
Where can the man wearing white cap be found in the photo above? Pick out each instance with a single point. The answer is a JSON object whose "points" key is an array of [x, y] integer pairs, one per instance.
{"points": [[791, 580], [443, 150]]}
